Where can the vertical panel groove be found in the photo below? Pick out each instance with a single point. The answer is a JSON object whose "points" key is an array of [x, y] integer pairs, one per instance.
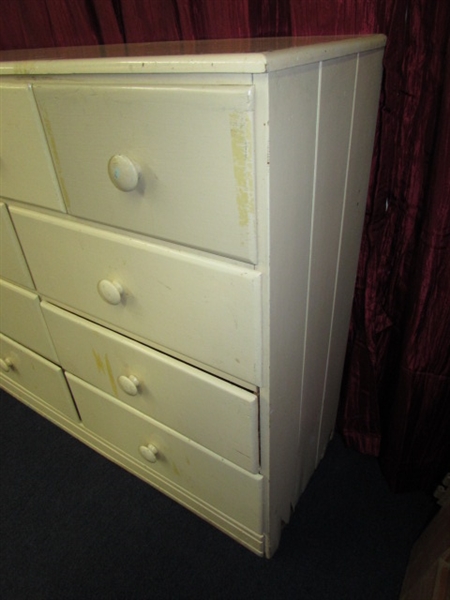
{"points": [[344, 203], [311, 242]]}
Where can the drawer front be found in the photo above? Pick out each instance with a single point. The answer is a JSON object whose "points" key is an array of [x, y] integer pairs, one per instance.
{"points": [[192, 148], [208, 410], [21, 319], [202, 308], [27, 170], [44, 380], [180, 461], [12, 262]]}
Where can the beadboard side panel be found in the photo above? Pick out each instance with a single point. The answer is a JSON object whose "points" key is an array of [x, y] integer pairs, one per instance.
{"points": [[292, 138], [366, 98], [318, 184]]}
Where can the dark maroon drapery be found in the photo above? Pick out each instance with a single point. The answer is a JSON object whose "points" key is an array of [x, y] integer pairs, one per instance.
{"points": [[396, 387]]}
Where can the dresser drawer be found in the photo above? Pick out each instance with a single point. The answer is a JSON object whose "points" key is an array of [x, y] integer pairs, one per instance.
{"points": [[21, 319], [208, 410], [41, 378], [27, 170], [192, 148], [178, 460], [199, 307], [12, 262]]}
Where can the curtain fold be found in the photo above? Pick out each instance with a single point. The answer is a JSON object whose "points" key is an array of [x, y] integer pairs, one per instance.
{"points": [[396, 386], [159, 21], [48, 23], [395, 271], [416, 444]]}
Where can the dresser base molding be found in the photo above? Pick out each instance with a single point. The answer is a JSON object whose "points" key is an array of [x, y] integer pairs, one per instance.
{"points": [[249, 539]]}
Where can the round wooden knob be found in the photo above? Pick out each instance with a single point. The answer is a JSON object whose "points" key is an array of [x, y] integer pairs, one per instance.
{"points": [[129, 384], [123, 172], [110, 291], [6, 364], [149, 452]]}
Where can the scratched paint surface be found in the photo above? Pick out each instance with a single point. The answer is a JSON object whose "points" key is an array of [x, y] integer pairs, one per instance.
{"points": [[242, 149]]}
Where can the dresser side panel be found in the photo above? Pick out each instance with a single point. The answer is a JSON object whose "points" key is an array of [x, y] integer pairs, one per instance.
{"points": [[292, 133], [366, 98], [337, 82], [315, 221]]}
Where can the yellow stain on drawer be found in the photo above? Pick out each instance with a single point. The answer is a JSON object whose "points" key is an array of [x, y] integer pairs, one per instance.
{"points": [[101, 366], [242, 149], [112, 379], [98, 362], [175, 469]]}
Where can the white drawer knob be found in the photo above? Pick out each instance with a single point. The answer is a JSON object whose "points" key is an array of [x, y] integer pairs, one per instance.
{"points": [[149, 452], [6, 364], [123, 172], [110, 291], [130, 384]]}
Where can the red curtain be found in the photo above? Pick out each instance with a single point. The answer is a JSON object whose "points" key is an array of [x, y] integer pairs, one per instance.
{"points": [[396, 388]]}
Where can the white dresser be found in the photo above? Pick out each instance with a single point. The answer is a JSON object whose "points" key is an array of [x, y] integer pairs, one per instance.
{"points": [[180, 227]]}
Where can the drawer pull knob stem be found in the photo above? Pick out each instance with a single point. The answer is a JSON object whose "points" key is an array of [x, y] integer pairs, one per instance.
{"points": [[6, 364], [149, 452], [110, 291], [130, 384], [123, 172]]}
